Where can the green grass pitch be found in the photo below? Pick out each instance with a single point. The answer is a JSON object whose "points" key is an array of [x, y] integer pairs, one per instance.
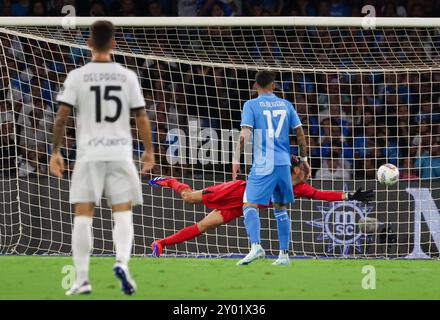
{"points": [[183, 278]]}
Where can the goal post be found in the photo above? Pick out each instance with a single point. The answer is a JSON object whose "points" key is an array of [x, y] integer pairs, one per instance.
{"points": [[367, 93], [293, 21]]}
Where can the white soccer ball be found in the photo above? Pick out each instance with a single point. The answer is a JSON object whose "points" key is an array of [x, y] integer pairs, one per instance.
{"points": [[388, 174]]}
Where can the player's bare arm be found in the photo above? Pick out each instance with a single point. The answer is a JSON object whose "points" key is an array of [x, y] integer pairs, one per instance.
{"points": [[302, 142], [243, 139], [56, 160], [144, 128]]}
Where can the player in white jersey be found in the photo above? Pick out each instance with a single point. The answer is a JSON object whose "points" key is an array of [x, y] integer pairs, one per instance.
{"points": [[104, 95]]}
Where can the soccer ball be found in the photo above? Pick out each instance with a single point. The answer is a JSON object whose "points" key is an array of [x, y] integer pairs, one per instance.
{"points": [[388, 174]]}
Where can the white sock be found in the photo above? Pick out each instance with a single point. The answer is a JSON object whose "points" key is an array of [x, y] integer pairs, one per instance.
{"points": [[123, 235], [81, 247]]}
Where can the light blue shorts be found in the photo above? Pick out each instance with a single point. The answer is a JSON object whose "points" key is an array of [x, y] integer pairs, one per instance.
{"points": [[275, 187]]}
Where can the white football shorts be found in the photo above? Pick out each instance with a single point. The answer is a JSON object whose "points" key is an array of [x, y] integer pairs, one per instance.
{"points": [[117, 180]]}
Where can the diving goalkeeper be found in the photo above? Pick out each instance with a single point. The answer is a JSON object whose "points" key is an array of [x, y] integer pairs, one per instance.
{"points": [[227, 201]]}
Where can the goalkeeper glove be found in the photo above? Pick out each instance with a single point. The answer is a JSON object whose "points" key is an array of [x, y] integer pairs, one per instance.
{"points": [[362, 196]]}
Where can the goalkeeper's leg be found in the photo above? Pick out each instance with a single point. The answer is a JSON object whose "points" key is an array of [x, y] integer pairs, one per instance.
{"points": [[181, 188], [211, 221], [186, 193], [81, 247]]}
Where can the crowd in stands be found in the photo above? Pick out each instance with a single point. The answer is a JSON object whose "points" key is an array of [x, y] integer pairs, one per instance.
{"points": [[158, 8], [355, 122]]}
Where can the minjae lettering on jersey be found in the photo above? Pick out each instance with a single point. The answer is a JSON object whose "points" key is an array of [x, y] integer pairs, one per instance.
{"points": [[104, 76]]}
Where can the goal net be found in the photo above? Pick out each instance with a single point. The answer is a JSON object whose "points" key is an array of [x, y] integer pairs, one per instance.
{"points": [[365, 97]]}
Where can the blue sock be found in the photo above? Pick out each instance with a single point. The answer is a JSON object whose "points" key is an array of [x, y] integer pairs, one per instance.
{"points": [[252, 224], [283, 223]]}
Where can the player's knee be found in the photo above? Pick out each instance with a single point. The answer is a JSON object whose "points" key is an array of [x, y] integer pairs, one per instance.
{"points": [[248, 204], [279, 206], [203, 226], [188, 197], [84, 209], [122, 207]]}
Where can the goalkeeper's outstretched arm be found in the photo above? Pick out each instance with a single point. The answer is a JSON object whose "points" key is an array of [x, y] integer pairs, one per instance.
{"points": [[305, 190]]}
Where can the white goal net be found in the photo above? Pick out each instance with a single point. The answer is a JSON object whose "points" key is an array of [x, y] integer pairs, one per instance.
{"points": [[365, 98]]}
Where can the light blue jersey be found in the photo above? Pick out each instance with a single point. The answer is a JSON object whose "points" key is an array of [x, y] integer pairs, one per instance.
{"points": [[271, 119]]}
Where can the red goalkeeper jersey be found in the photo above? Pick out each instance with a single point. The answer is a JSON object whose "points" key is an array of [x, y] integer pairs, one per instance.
{"points": [[229, 195]]}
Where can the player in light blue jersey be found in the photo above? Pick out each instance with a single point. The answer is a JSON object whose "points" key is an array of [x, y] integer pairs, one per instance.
{"points": [[269, 119]]}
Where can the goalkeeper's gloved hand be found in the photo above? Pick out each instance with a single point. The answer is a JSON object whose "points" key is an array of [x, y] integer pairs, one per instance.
{"points": [[362, 196]]}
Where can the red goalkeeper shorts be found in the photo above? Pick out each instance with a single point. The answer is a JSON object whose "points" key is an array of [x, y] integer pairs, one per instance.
{"points": [[231, 214], [227, 198], [224, 196]]}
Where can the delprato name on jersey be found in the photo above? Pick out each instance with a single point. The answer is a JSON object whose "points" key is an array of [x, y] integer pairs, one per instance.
{"points": [[103, 96]]}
